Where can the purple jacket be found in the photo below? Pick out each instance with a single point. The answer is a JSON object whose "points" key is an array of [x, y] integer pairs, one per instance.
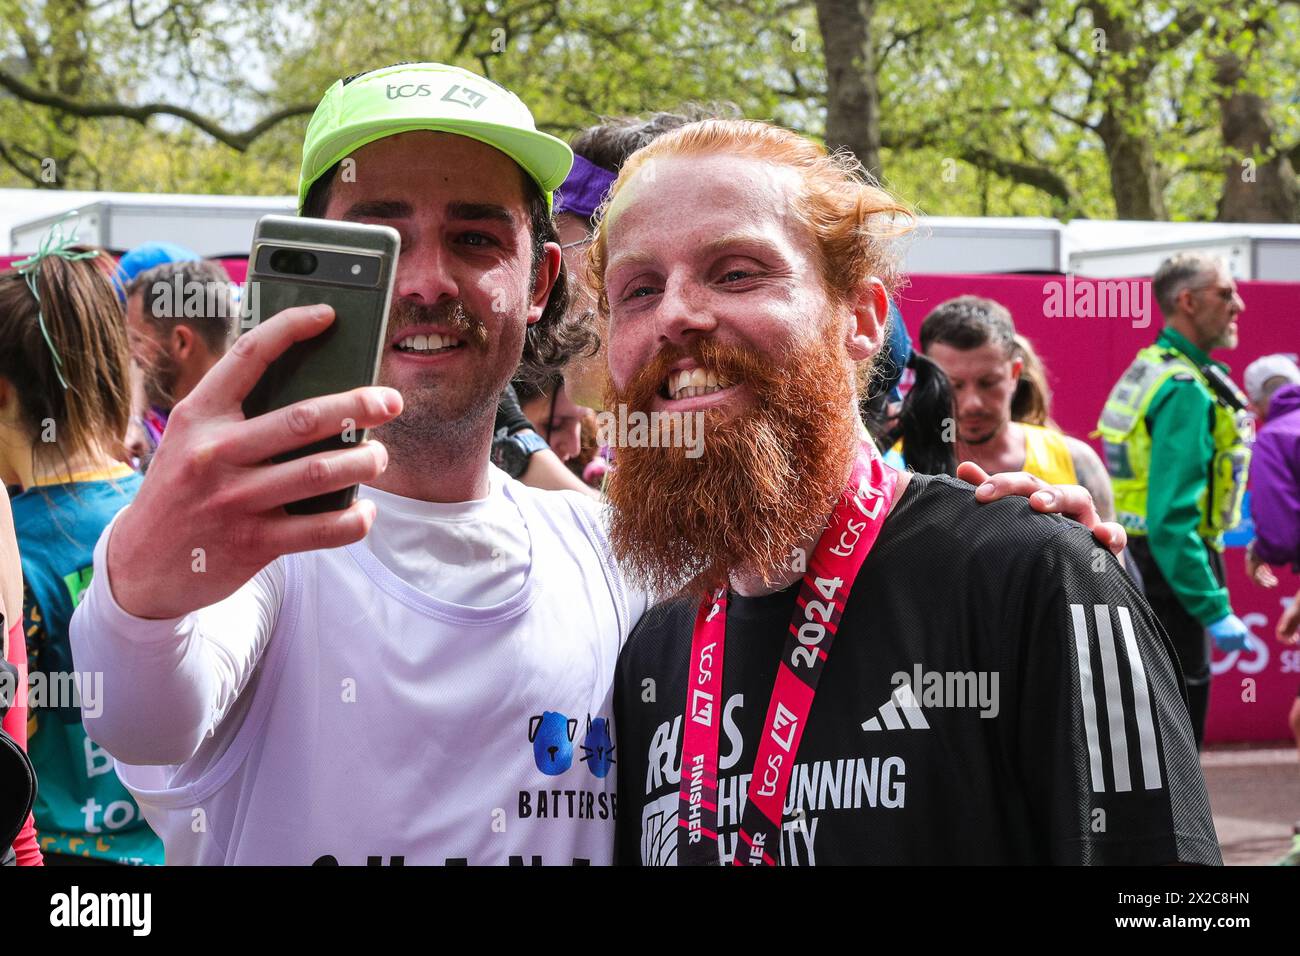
{"points": [[1275, 480]]}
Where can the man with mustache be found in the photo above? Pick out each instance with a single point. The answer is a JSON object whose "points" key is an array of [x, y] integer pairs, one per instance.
{"points": [[865, 666], [425, 677]]}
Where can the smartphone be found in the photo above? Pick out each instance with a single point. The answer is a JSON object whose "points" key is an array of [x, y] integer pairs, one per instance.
{"points": [[348, 266]]}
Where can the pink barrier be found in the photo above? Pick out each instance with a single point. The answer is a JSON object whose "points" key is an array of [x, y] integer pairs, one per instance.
{"points": [[1085, 355]]}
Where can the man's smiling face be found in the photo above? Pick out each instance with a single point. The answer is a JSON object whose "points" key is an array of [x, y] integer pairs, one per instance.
{"points": [[464, 292], [703, 248], [717, 307]]}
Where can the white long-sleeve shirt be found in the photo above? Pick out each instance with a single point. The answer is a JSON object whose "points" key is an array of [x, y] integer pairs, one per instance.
{"points": [[418, 695]]}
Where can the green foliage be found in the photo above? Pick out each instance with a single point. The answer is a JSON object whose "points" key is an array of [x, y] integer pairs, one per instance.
{"points": [[982, 103]]}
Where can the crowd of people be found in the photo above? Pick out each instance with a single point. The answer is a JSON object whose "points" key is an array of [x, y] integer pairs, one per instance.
{"points": [[510, 647]]}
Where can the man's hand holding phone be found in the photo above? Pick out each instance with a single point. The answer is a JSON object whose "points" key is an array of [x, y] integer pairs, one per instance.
{"points": [[209, 514]]}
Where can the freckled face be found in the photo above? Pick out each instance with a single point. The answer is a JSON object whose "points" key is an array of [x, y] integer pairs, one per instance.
{"points": [[737, 268]]}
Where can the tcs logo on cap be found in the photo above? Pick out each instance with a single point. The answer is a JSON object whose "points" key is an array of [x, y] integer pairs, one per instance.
{"points": [[456, 94], [408, 89]]}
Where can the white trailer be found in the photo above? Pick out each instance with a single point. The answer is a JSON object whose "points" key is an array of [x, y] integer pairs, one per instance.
{"points": [[1261, 258], [210, 225], [223, 226]]}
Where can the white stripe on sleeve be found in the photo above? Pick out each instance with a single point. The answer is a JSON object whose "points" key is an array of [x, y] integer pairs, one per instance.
{"points": [[1114, 702], [1086, 696], [1142, 703]]}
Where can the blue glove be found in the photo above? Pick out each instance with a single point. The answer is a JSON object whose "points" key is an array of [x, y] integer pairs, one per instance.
{"points": [[1230, 634]]}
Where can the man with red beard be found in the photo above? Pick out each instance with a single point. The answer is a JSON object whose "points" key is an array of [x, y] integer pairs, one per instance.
{"points": [[996, 692], [426, 676]]}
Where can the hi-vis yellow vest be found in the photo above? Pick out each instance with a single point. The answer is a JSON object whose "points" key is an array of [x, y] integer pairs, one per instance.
{"points": [[1127, 443]]}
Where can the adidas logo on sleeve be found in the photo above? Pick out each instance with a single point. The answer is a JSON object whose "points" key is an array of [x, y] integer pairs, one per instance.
{"points": [[1101, 671]]}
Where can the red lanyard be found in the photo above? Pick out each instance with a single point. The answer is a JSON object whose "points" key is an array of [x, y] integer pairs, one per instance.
{"points": [[834, 566]]}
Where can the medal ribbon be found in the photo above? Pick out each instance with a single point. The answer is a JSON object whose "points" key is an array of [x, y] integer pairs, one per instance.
{"points": [[840, 552]]}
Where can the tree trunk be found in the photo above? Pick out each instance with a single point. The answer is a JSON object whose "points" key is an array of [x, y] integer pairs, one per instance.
{"points": [[1266, 192], [1134, 176], [65, 71], [852, 97]]}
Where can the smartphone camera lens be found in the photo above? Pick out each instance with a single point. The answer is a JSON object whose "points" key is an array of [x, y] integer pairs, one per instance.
{"points": [[298, 262]]}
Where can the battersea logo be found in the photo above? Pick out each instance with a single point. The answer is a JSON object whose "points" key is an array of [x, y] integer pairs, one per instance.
{"points": [[598, 747], [552, 736]]}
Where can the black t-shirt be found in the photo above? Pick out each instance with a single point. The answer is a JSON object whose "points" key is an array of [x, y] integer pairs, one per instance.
{"points": [[1024, 732]]}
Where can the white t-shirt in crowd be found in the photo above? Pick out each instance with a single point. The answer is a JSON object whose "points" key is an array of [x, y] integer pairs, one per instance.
{"points": [[440, 692]]}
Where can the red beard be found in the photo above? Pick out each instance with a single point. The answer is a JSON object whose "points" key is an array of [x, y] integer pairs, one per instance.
{"points": [[767, 479]]}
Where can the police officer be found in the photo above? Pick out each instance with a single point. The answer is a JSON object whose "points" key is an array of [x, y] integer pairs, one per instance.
{"points": [[1175, 432]]}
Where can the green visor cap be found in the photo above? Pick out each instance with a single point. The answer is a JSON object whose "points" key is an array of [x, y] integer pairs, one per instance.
{"points": [[430, 96]]}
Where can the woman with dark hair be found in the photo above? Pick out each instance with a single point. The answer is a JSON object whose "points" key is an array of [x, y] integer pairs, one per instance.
{"points": [[64, 408], [924, 421], [919, 417]]}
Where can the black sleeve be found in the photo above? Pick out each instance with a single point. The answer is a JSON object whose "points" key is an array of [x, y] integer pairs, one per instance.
{"points": [[627, 827], [1104, 744], [509, 415]]}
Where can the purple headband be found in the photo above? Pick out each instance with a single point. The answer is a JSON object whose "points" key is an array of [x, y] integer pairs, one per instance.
{"points": [[583, 189]]}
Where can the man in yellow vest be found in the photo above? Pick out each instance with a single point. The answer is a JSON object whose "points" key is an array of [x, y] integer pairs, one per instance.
{"points": [[974, 341], [1175, 431]]}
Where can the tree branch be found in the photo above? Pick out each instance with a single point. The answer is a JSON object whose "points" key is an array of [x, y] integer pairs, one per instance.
{"points": [[1089, 69], [235, 140], [1183, 26], [152, 20], [1039, 177], [35, 180], [1075, 120]]}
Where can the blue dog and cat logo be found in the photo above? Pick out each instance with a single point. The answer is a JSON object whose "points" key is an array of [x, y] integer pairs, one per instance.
{"points": [[552, 734]]}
